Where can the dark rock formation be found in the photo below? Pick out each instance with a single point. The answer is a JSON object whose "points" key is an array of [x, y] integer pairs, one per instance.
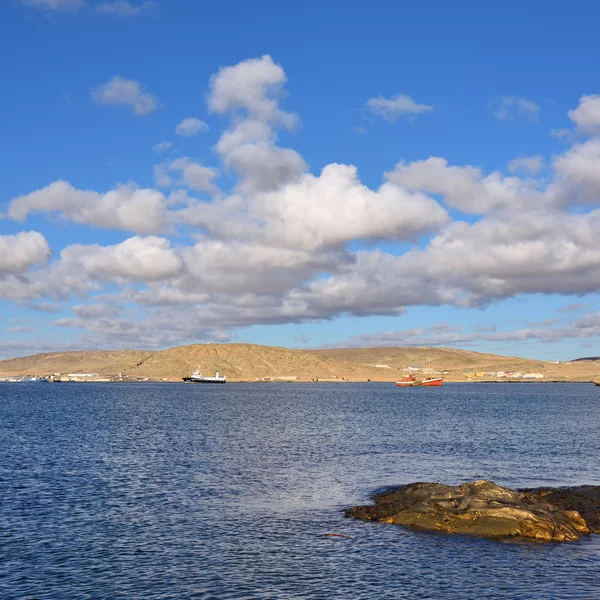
{"points": [[585, 499], [479, 508]]}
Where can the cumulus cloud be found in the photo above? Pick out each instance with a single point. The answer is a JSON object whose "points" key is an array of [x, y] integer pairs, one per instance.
{"points": [[119, 91], [509, 108], [192, 174], [281, 247], [126, 207], [95, 311], [137, 259], [18, 253], [260, 164], [252, 268], [578, 172], [466, 188], [469, 265], [587, 115], [335, 208], [399, 106], [252, 86], [250, 93], [191, 126]]}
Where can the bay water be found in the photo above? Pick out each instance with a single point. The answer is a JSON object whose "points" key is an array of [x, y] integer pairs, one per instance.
{"points": [[174, 491]]}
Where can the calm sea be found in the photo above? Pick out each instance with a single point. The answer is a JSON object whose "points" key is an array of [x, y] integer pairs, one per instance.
{"points": [[169, 491]]}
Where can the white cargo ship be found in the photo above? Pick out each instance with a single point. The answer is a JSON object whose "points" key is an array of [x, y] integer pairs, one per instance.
{"points": [[197, 377]]}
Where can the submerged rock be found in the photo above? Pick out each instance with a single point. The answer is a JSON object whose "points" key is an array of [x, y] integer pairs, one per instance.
{"points": [[479, 508]]}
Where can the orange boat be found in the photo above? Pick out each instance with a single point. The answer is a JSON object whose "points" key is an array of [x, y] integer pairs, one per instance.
{"points": [[410, 381]]}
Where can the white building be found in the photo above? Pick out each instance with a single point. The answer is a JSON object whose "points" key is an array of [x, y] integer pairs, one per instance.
{"points": [[83, 375]]}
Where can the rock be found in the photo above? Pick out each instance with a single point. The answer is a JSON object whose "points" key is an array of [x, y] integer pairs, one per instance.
{"points": [[479, 508], [585, 499]]}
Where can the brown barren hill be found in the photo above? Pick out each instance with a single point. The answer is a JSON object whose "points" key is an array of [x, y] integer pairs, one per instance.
{"points": [[251, 361], [459, 362], [246, 361], [103, 362], [437, 358]]}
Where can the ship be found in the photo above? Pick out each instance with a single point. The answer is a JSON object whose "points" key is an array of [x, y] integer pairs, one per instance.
{"points": [[33, 379], [411, 381], [197, 377]]}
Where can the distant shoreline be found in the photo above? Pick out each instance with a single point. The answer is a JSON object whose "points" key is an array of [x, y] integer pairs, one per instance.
{"points": [[389, 382]]}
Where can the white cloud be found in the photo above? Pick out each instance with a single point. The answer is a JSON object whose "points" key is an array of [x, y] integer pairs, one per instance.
{"points": [[509, 108], [138, 259], [57, 5], [250, 92], [587, 115], [578, 172], [126, 92], [281, 248], [261, 165], [470, 265], [191, 126], [193, 175], [317, 212], [95, 311], [466, 188], [399, 106], [162, 177], [20, 252], [586, 327], [254, 86], [126, 207], [19, 329], [531, 165], [122, 8], [162, 146], [252, 267], [336, 208]]}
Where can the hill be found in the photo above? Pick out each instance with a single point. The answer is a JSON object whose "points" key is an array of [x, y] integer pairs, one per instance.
{"points": [[251, 361], [435, 358], [103, 362], [245, 361]]}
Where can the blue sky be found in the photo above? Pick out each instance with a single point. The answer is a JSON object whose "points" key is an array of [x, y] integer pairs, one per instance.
{"points": [[300, 175]]}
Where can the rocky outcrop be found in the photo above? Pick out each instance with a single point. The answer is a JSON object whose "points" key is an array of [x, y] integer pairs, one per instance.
{"points": [[585, 499], [479, 508]]}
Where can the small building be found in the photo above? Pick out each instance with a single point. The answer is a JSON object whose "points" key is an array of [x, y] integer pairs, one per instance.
{"points": [[82, 375]]}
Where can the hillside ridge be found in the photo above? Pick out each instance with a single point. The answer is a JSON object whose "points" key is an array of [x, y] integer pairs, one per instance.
{"points": [[254, 361]]}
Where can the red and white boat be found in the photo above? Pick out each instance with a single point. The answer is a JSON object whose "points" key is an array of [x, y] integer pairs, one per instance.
{"points": [[411, 381]]}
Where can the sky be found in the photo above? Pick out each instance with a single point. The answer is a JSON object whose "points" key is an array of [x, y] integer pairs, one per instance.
{"points": [[315, 174]]}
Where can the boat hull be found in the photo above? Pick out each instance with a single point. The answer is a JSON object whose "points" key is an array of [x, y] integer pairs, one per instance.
{"points": [[411, 382], [192, 380]]}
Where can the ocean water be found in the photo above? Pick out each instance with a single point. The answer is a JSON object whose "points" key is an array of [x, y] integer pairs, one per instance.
{"points": [[173, 491]]}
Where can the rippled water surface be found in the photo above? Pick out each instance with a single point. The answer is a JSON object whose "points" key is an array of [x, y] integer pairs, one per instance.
{"points": [[156, 491]]}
